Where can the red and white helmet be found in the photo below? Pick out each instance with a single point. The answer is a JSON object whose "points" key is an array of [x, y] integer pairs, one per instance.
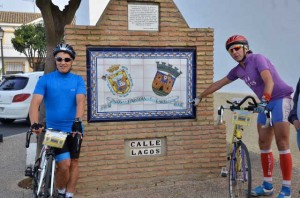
{"points": [[236, 39]]}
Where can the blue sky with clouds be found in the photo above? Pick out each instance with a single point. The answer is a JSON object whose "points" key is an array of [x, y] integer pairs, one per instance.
{"points": [[271, 26]]}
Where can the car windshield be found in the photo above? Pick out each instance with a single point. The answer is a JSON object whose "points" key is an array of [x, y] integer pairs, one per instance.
{"points": [[13, 83]]}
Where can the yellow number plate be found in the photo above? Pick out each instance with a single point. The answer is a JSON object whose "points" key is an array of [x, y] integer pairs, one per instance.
{"points": [[55, 138], [242, 118]]}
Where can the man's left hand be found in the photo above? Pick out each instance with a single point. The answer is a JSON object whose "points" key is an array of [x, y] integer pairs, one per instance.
{"points": [[261, 107]]}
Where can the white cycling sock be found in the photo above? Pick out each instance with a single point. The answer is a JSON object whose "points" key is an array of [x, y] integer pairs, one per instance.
{"points": [[61, 191], [69, 194]]}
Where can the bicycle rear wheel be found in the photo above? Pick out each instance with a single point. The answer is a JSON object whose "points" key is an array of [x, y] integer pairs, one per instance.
{"points": [[48, 176], [240, 176]]}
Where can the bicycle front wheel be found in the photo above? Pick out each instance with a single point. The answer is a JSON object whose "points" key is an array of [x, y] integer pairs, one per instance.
{"points": [[36, 178], [240, 172], [48, 176]]}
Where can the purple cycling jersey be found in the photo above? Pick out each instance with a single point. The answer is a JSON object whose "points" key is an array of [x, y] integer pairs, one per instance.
{"points": [[255, 64]]}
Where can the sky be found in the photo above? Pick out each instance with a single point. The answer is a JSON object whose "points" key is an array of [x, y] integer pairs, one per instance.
{"points": [[26, 5], [272, 28]]}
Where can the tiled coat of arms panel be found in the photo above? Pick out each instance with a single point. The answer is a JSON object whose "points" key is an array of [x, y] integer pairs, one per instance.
{"points": [[140, 83]]}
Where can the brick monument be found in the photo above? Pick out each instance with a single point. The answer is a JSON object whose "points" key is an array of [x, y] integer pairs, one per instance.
{"points": [[142, 65]]}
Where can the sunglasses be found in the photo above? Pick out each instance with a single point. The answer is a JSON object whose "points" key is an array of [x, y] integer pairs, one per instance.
{"points": [[59, 59], [235, 48]]}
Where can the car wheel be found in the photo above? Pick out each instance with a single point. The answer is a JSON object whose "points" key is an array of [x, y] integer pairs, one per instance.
{"points": [[6, 121]]}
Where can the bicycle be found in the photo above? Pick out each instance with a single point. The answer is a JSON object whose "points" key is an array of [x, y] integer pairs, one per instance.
{"points": [[43, 171], [239, 171]]}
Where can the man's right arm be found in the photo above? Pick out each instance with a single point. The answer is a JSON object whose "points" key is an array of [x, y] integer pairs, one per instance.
{"points": [[34, 109]]}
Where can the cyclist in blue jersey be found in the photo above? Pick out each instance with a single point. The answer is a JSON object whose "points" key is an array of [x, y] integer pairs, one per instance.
{"points": [[295, 113], [260, 75], [63, 94]]}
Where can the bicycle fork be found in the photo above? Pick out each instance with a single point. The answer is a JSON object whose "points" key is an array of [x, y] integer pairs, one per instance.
{"points": [[238, 162], [52, 176], [42, 169], [233, 161]]}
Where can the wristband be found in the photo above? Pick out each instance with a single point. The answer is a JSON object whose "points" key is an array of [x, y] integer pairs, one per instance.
{"points": [[266, 97]]}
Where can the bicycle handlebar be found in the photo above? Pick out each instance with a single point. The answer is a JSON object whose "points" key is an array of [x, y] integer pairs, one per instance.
{"points": [[237, 105], [28, 136], [29, 133]]}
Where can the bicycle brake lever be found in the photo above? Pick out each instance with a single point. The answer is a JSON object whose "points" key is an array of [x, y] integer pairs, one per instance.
{"points": [[229, 102], [220, 115], [268, 120], [270, 117], [28, 135], [220, 120]]}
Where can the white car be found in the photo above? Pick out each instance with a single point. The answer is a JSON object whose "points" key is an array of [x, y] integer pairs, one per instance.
{"points": [[16, 94]]}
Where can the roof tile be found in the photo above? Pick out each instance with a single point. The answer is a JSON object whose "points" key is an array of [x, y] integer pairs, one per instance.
{"points": [[18, 17]]}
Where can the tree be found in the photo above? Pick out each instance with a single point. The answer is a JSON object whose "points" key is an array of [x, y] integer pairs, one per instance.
{"points": [[31, 41], [55, 21]]}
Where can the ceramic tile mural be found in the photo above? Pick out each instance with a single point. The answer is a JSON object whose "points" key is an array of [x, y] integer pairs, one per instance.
{"points": [[140, 83]]}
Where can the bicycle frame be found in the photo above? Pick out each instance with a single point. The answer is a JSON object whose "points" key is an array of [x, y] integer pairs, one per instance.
{"points": [[236, 137]]}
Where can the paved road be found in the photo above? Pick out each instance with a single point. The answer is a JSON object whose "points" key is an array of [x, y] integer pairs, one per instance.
{"points": [[14, 128]]}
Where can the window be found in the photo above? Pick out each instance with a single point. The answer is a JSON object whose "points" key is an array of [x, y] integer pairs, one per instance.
{"points": [[14, 67], [13, 83]]}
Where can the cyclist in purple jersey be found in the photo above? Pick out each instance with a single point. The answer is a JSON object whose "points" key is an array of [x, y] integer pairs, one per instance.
{"points": [[63, 94], [261, 76], [256, 63]]}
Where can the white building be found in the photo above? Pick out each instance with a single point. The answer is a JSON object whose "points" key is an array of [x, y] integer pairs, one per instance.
{"points": [[15, 61]]}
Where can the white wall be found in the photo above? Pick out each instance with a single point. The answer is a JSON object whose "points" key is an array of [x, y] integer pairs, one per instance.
{"points": [[90, 11]]}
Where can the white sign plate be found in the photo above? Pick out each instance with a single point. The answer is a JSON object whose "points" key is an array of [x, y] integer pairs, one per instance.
{"points": [[143, 17]]}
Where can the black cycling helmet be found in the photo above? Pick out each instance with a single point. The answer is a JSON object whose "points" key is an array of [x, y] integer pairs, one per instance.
{"points": [[64, 48], [236, 39]]}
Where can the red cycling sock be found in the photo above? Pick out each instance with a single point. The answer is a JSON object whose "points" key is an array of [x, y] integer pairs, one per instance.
{"points": [[267, 162], [286, 166]]}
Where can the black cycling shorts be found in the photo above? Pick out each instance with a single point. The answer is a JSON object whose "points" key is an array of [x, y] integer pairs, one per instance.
{"points": [[70, 150]]}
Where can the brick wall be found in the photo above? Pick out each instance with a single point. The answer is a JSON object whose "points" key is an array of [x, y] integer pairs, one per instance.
{"points": [[196, 149]]}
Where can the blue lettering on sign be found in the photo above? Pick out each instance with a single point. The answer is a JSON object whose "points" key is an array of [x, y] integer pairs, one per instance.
{"points": [[172, 100]]}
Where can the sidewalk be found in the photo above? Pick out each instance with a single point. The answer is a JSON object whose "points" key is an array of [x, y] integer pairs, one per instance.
{"points": [[12, 166], [12, 155]]}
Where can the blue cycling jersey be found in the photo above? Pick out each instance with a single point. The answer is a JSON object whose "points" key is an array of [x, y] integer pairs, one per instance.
{"points": [[59, 94]]}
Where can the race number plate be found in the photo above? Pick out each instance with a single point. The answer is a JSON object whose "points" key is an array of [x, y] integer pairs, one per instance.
{"points": [[55, 138], [242, 118]]}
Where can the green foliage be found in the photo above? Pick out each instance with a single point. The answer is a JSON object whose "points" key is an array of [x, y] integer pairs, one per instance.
{"points": [[31, 41]]}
